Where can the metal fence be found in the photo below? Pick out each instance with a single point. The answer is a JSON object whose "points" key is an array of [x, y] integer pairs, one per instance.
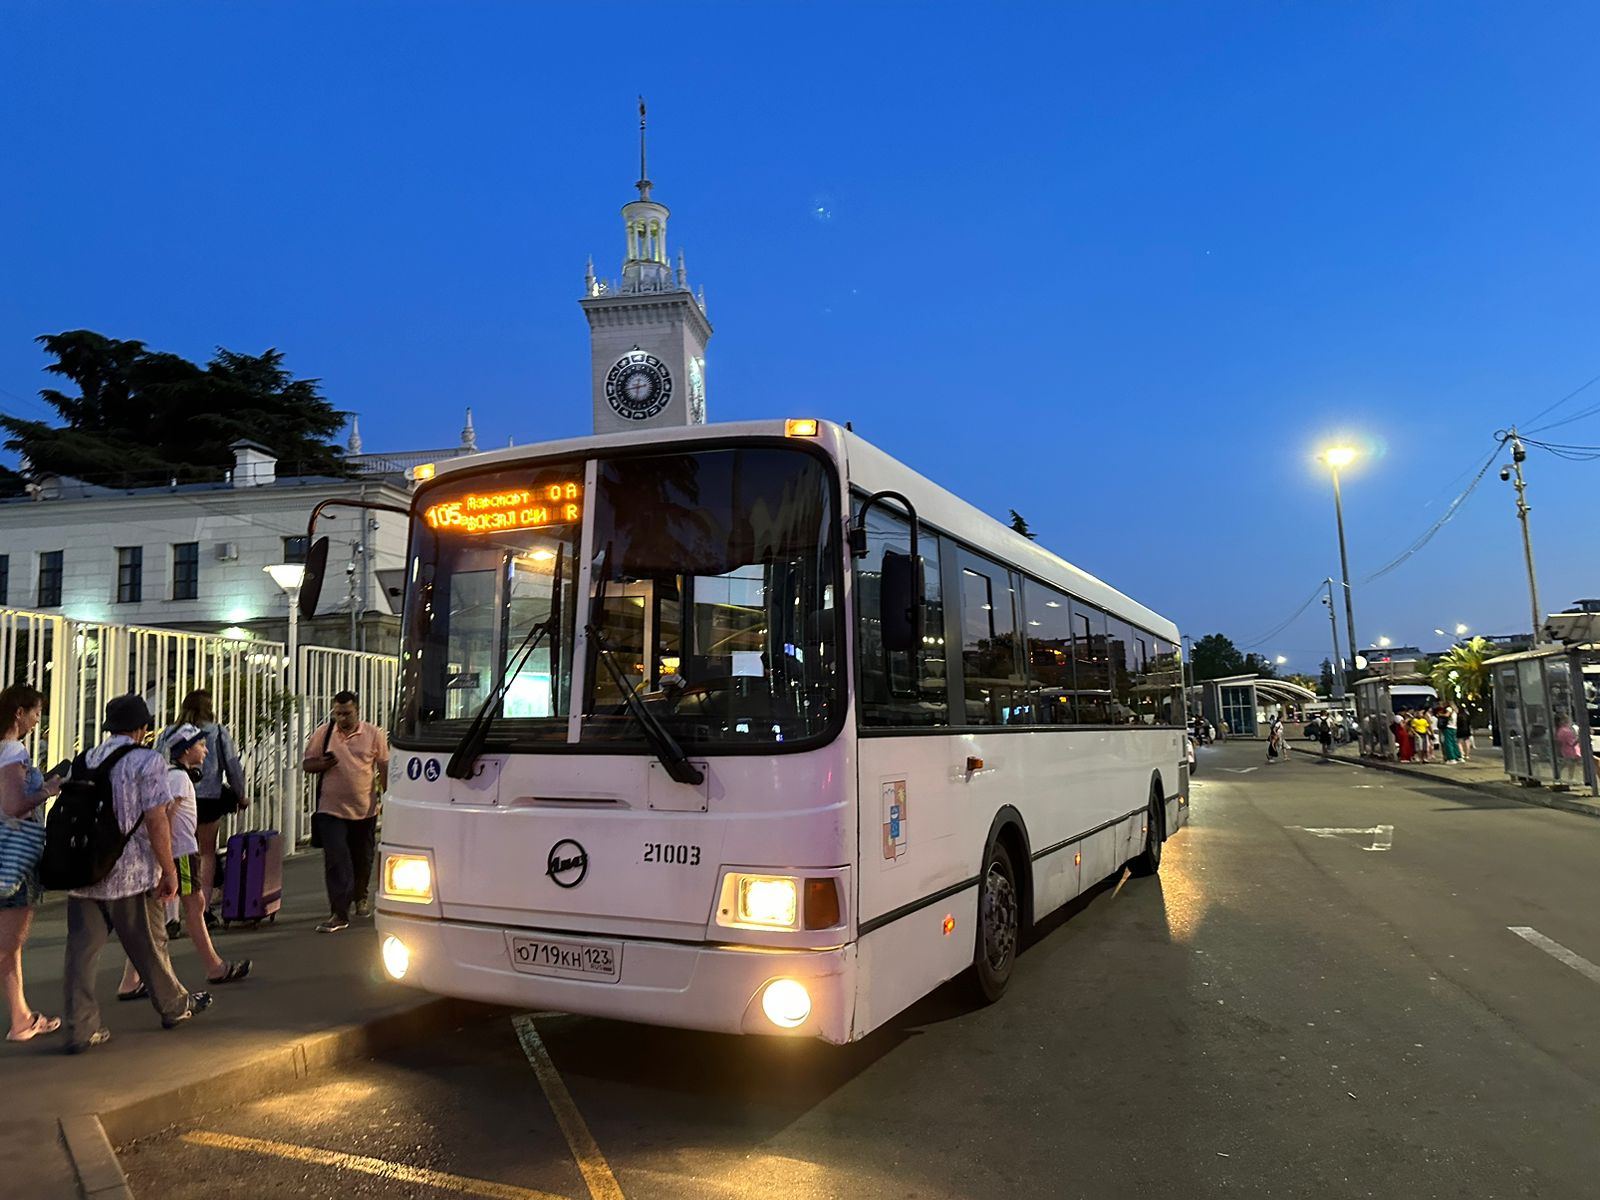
{"points": [[80, 665]]}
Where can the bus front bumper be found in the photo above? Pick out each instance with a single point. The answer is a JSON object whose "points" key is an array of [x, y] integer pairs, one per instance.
{"points": [[716, 988]]}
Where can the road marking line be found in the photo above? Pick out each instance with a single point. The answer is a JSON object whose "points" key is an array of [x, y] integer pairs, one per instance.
{"points": [[1382, 835], [596, 1173], [1240, 770], [398, 1172], [1557, 951]]}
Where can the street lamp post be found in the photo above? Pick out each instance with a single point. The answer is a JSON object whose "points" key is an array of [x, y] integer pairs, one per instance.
{"points": [[1336, 457], [289, 577]]}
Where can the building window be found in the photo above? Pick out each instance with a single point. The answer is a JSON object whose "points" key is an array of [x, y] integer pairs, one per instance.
{"points": [[50, 579], [5, 580], [130, 574], [186, 571], [294, 549]]}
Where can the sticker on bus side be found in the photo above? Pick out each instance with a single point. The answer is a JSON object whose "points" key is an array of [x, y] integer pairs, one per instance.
{"points": [[896, 819]]}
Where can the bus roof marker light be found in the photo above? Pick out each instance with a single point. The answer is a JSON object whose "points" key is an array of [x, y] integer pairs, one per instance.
{"points": [[800, 427], [423, 472]]}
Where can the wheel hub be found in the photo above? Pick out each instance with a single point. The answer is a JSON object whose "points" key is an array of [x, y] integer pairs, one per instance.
{"points": [[999, 919]]}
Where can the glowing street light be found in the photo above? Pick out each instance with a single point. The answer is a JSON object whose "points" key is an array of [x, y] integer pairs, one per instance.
{"points": [[1280, 660], [1337, 457], [1384, 643], [1460, 629]]}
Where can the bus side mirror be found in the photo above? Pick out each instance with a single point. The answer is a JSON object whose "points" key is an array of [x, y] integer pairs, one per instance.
{"points": [[311, 582], [901, 601]]}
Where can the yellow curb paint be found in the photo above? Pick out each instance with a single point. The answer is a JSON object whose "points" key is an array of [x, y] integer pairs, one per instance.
{"points": [[596, 1173], [399, 1172]]}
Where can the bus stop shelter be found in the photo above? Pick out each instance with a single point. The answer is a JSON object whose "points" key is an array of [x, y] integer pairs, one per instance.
{"points": [[1548, 704], [1239, 702]]}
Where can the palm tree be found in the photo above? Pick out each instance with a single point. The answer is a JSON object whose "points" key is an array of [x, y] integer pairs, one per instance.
{"points": [[1461, 675]]}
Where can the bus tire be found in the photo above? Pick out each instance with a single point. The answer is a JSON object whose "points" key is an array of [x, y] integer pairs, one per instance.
{"points": [[999, 925], [1149, 862]]}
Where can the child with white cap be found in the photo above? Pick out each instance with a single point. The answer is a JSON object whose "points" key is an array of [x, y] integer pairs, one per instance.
{"points": [[184, 747]]}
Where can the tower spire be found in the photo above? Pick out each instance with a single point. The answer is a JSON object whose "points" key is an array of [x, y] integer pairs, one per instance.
{"points": [[353, 445], [644, 176], [469, 435]]}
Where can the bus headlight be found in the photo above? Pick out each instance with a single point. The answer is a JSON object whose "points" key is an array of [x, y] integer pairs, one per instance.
{"points": [[770, 901], [786, 1003], [396, 958], [408, 877]]}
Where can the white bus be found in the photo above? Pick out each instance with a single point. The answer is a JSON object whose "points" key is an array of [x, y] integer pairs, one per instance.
{"points": [[686, 737]]}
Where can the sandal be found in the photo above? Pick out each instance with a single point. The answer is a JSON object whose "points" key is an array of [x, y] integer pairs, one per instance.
{"points": [[39, 1026], [138, 993], [235, 972]]}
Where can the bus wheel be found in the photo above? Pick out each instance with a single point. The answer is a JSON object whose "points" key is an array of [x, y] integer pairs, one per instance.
{"points": [[999, 922], [1149, 862]]}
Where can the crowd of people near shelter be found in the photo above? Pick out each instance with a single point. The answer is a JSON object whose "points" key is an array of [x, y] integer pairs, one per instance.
{"points": [[1422, 735], [168, 806]]}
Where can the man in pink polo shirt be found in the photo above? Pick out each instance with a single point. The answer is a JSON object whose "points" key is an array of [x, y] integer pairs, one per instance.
{"points": [[350, 758]]}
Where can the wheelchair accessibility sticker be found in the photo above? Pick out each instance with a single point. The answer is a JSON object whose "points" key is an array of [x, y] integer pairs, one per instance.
{"points": [[896, 814]]}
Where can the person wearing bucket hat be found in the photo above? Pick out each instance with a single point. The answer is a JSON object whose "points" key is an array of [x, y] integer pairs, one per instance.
{"points": [[128, 900], [185, 747]]}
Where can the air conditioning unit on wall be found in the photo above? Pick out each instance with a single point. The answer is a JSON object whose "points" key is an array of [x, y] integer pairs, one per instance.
{"points": [[227, 551]]}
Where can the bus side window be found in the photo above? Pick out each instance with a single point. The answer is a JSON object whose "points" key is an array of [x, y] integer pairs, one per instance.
{"points": [[1091, 665], [1049, 653], [992, 684], [899, 689]]}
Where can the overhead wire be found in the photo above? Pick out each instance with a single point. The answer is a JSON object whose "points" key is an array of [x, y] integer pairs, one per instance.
{"points": [[1444, 518], [1548, 409], [1281, 626]]}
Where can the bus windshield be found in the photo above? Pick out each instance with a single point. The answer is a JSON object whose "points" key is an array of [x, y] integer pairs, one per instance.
{"points": [[714, 588]]}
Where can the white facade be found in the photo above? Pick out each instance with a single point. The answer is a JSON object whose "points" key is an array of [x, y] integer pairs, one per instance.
{"points": [[230, 531], [648, 332]]}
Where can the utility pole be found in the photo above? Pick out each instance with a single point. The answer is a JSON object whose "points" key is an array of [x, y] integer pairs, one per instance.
{"points": [[1518, 454], [1341, 690]]}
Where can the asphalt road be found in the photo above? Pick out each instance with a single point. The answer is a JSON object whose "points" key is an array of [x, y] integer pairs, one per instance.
{"points": [[1285, 1011]]}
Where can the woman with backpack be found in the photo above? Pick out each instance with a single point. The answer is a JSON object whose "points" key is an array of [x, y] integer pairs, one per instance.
{"points": [[220, 788], [23, 792]]}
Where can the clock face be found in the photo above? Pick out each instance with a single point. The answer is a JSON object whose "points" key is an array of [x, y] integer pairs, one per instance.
{"points": [[638, 386]]}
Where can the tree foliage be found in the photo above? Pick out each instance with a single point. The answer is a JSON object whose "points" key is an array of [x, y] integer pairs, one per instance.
{"points": [[1260, 664], [1216, 657], [1020, 524], [1305, 681], [1461, 675], [142, 416], [1328, 678]]}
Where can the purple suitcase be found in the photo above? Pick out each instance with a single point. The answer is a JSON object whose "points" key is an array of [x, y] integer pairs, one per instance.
{"points": [[252, 884]]}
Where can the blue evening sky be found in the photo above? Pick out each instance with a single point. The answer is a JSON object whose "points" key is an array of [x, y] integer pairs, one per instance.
{"points": [[1121, 267]]}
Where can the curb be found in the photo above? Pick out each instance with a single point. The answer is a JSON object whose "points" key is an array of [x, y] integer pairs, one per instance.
{"points": [[90, 1138], [1541, 797]]}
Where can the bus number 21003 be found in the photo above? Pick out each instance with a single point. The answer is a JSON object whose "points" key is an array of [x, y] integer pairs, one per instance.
{"points": [[674, 855]]}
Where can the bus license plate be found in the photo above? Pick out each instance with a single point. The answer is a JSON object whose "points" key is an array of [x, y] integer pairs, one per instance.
{"points": [[599, 961]]}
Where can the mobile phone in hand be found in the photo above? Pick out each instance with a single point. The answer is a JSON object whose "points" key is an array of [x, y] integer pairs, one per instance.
{"points": [[59, 771]]}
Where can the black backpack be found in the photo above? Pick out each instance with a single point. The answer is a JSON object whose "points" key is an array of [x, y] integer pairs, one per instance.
{"points": [[82, 838]]}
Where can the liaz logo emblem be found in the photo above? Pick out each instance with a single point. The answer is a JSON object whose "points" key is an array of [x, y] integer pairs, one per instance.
{"points": [[568, 863]]}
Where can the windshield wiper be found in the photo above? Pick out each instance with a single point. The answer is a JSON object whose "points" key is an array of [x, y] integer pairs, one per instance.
{"points": [[465, 756], [666, 746]]}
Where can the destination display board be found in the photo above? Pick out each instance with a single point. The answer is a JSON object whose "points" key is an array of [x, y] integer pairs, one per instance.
{"points": [[503, 509]]}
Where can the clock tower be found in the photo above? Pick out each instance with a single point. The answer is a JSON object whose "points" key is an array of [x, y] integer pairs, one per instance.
{"points": [[648, 332]]}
